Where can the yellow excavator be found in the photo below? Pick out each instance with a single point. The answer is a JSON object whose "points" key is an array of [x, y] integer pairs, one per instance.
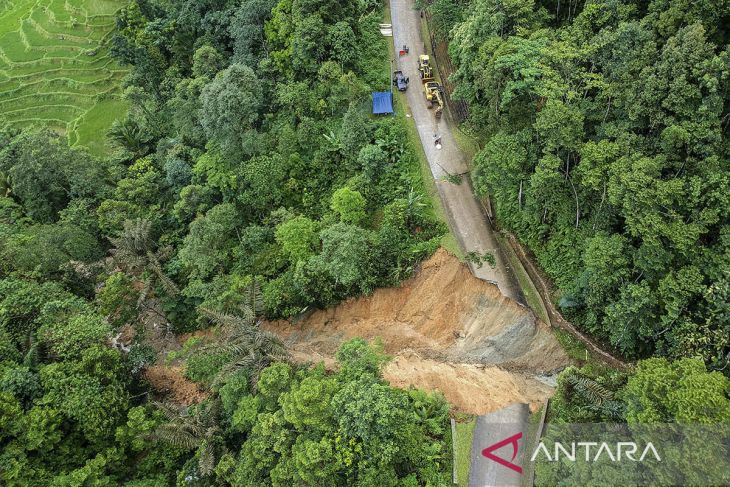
{"points": [[434, 91], [424, 68], [434, 97]]}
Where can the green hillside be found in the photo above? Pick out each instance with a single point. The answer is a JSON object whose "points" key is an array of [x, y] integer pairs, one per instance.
{"points": [[55, 67]]}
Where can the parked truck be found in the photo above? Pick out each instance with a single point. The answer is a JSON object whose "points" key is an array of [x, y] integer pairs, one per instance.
{"points": [[400, 81]]}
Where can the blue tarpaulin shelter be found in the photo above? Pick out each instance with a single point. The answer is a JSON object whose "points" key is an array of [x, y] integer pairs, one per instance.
{"points": [[382, 102]]}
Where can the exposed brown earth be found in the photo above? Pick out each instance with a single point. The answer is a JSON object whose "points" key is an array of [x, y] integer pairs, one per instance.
{"points": [[170, 382], [446, 330]]}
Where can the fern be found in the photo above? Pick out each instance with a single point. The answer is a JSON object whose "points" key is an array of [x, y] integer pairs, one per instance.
{"points": [[613, 410], [255, 298], [228, 320], [206, 458], [176, 435], [167, 284], [600, 400]]}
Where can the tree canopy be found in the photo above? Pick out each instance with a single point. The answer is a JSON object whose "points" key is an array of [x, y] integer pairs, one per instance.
{"points": [[247, 182], [605, 152]]}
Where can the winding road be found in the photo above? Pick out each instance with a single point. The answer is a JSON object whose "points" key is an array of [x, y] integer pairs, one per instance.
{"points": [[469, 225]]}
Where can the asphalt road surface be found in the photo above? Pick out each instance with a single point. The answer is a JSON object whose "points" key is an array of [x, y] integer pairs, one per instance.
{"points": [[490, 430], [466, 219], [471, 228]]}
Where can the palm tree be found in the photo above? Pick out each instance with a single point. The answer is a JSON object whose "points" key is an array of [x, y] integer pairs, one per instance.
{"points": [[129, 135], [600, 400], [251, 347], [188, 429], [134, 251]]}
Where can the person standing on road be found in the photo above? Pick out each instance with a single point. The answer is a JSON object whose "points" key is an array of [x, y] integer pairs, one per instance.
{"points": [[437, 140]]}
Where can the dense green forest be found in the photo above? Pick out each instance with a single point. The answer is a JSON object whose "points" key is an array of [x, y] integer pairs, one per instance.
{"points": [[605, 149], [249, 179], [251, 154]]}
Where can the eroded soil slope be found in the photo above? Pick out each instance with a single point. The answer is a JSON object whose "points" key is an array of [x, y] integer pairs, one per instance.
{"points": [[169, 381], [447, 331]]}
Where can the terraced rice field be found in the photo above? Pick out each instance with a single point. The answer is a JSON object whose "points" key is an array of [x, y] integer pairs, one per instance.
{"points": [[56, 70]]}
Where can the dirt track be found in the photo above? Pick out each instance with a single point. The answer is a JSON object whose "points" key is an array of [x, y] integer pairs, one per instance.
{"points": [[447, 331]]}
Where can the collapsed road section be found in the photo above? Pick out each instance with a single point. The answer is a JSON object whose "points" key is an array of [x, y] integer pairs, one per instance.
{"points": [[446, 330]]}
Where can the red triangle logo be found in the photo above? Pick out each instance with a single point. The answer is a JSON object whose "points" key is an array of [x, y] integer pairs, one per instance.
{"points": [[512, 440]]}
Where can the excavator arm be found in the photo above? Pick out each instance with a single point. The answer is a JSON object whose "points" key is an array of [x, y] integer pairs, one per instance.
{"points": [[434, 97], [439, 103]]}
